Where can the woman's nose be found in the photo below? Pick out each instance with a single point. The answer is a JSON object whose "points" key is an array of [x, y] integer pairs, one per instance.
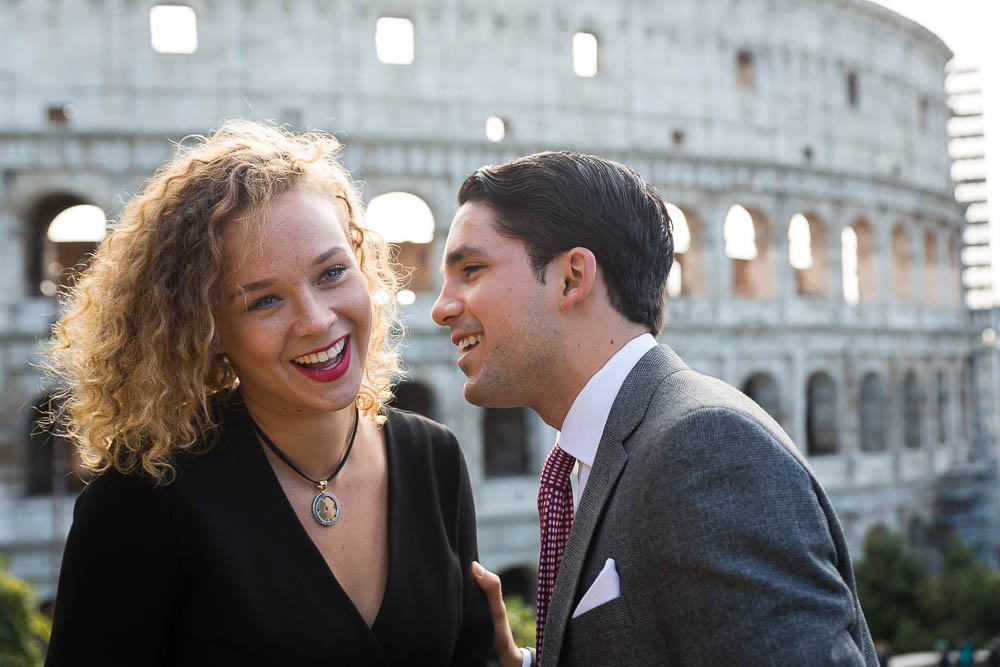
{"points": [[315, 316]]}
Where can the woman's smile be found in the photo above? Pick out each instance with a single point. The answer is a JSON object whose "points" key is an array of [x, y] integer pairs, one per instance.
{"points": [[328, 364]]}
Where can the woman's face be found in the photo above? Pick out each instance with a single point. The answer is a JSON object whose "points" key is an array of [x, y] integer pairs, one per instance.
{"points": [[295, 317]]}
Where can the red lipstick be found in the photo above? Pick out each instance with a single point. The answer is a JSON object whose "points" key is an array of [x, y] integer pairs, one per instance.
{"points": [[329, 374]]}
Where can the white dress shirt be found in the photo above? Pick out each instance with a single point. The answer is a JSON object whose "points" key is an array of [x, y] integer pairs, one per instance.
{"points": [[584, 424]]}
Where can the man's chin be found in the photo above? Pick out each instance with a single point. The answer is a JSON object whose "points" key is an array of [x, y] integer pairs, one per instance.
{"points": [[477, 393]]}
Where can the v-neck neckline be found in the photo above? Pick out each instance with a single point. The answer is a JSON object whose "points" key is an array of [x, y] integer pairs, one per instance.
{"points": [[317, 555]]}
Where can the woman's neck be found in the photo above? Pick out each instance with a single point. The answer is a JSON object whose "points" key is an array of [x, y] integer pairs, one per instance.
{"points": [[314, 441]]}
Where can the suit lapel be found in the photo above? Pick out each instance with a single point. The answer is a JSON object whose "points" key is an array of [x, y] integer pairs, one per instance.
{"points": [[626, 414]]}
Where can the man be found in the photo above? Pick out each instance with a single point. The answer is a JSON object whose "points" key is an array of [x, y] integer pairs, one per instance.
{"points": [[700, 535]]}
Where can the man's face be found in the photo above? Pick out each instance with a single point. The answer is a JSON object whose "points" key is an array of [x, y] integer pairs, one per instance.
{"points": [[501, 317]]}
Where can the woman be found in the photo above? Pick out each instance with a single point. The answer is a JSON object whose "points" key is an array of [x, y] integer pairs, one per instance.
{"points": [[226, 361]]}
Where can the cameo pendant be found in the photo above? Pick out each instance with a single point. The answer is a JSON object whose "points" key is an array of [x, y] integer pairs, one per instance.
{"points": [[326, 508]]}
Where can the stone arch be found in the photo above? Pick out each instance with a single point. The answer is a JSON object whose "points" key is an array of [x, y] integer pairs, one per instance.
{"points": [[50, 265], [406, 221], [822, 436], [807, 254], [912, 411], [901, 263], [872, 411], [52, 465], [866, 262], [506, 441], [747, 236], [931, 270], [687, 273], [416, 397], [763, 390]]}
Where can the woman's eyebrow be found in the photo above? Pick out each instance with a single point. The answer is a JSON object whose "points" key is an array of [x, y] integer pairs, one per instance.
{"points": [[267, 282]]}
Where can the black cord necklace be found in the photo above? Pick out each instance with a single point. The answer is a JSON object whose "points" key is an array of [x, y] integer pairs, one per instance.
{"points": [[325, 506]]}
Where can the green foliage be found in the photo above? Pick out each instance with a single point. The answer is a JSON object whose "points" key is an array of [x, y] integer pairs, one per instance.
{"points": [[962, 600], [522, 620], [889, 581], [909, 607], [23, 629]]}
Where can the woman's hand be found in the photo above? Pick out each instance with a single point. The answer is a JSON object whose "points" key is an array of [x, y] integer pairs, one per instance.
{"points": [[507, 650]]}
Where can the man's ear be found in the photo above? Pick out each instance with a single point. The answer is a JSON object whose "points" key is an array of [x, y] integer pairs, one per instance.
{"points": [[576, 272]]}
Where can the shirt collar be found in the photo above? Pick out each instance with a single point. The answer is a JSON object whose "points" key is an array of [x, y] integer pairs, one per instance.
{"points": [[585, 421]]}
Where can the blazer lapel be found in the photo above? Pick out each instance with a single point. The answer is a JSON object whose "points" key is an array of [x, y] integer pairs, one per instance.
{"points": [[626, 414]]}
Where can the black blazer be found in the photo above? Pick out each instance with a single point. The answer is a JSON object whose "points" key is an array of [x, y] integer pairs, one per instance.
{"points": [[216, 569]]}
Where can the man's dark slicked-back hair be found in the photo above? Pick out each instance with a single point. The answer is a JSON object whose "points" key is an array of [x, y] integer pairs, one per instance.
{"points": [[555, 201]]}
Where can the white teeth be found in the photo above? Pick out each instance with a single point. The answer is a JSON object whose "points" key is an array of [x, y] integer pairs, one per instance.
{"points": [[468, 342], [325, 355]]}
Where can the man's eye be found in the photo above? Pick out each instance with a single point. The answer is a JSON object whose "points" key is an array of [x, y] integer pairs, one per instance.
{"points": [[469, 269], [263, 303], [333, 273]]}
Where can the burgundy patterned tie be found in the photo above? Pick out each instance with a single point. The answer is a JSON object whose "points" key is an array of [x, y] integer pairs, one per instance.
{"points": [[555, 514]]}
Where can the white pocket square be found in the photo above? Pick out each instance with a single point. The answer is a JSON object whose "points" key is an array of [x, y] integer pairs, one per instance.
{"points": [[605, 588]]}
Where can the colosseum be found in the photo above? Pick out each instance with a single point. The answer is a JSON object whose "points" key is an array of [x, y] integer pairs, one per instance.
{"points": [[801, 143]]}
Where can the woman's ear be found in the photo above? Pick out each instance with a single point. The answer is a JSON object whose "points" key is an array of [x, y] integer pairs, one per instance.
{"points": [[577, 271]]}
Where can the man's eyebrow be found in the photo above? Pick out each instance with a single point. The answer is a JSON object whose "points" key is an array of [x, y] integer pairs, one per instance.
{"points": [[261, 284], [458, 254]]}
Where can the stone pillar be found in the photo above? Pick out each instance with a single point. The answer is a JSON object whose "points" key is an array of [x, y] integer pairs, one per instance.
{"points": [[13, 250], [835, 260], [882, 232], [716, 268], [781, 268], [797, 399]]}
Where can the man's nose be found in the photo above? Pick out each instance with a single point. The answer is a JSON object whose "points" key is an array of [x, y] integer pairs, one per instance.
{"points": [[446, 307]]}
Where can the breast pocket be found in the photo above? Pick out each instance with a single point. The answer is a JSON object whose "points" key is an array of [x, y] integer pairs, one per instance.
{"points": [[597, 634]]}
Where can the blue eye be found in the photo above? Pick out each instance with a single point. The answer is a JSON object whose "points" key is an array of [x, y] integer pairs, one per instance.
{"points": [[469, 269], [333, 273], [262, 303]]}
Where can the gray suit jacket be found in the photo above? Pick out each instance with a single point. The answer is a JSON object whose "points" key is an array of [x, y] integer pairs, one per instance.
{"points": [[728, 550]]}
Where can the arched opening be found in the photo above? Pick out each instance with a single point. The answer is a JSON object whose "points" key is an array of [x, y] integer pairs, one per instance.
{"points": [[685, 277], [747, 242], [902, 263], [871, 408], [763, 390], [865, 260], [932, 271], [520, 582], [51, 464], [912, 413], [415, 397], [940, 420], [954, 281], [807, 255], [585, 54], [917, 534], [406, 221], [506, 441], [821, 415], [849, 265], [965, 399], [63, 233]]}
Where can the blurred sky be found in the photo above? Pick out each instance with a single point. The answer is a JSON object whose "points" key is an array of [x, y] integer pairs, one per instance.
{"points": [[971, 28]]}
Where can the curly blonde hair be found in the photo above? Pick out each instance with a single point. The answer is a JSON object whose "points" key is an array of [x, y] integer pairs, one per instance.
{"points": [[137, 352]]}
